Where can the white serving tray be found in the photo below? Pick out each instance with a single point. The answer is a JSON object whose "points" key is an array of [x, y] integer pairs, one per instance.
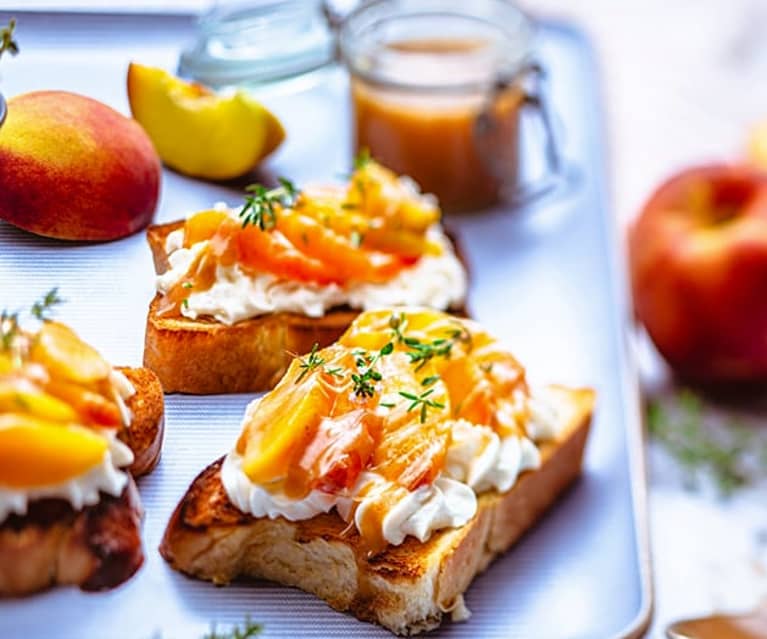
{"points": [[549, 282]]}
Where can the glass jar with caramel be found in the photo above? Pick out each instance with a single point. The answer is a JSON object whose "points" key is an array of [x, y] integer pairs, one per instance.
{"points": [[438, 87]]}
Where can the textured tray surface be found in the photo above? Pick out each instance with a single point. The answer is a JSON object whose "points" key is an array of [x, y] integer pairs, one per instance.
{"points": [[545, 282]]}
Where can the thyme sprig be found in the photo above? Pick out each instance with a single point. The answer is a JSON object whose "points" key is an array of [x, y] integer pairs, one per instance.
{"points": [[9, 328], [364, 381], [248, 630], [41, 309], [310, 362], [7, 41], [731, 455], [421, 352], [362, 159], [261, 206], [423, 401]]}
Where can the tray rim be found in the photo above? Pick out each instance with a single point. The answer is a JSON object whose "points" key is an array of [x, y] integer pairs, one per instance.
{"points": [[630, 387], [634, 420]]}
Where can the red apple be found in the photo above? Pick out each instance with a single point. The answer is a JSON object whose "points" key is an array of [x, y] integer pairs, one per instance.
{"points": [[698, 257]]}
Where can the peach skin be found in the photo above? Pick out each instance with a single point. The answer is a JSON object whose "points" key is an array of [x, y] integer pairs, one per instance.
{"points": [[73, 168]]}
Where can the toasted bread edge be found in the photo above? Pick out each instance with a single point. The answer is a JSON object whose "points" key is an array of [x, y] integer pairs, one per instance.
{"points": [[408, 588]]}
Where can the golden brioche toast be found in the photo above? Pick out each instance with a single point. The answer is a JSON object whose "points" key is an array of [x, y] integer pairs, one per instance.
{"points": [[201, 356], [98, 546], [407, 588]]}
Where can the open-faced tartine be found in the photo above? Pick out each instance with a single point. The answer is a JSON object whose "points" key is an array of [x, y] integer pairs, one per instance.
{"points": [[239, 292], [384, 472], [73, 432]]}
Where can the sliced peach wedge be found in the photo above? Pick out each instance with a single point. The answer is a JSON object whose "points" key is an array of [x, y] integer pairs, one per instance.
{"points": [[65, 355], [37, 452], [199, 132]]}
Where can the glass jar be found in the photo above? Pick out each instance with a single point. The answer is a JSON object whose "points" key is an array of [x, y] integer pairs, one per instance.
{"points": [[438, 87], [258, 41]]}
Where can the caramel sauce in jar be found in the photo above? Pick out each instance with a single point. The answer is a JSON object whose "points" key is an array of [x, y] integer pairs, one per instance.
{"points": [[432, 137], [436, 91]]}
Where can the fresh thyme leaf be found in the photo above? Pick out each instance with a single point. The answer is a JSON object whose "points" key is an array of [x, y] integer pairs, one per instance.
{"points": [[261, 206], [248, 630], [387, 404], [363, 386], [41, 308], [9, 328], [430, 381], [311, 362], [7, 42], [185, 303], [398, 324], [422, 401], [334, 372], [187, 285], [362, 159], [722, 454]]}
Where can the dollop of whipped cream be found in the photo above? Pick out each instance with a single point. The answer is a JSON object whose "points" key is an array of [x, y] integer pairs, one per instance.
{"points": [[122, 390], [478, 460], [484, 461], [79, 491], [436, 281]]}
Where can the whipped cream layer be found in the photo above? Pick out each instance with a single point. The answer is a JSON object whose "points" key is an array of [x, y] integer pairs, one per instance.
{"points": [[436, 281]]}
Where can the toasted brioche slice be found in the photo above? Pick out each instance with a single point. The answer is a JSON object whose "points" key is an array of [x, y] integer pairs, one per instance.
{"points": [[145, 432], [206, 357], [407, 588], [99, 546], [95, 548]]}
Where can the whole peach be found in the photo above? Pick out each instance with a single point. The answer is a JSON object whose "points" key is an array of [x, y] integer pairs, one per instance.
{"points": [[75, 169], [698, 257]]}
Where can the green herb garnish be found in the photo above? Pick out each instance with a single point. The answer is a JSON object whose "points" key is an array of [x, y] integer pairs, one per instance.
{"points": [[9, 328], [309, 363], [362, 159], [430, 380], [7, 42], [422, 401], [41, 308], [248, 630], [398, 325], [731, 455], [260, 208], [364, 381], [334, 372]]}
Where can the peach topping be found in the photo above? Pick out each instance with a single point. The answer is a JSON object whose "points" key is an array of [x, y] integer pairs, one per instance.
{"points": [[382, 400], [367, 231], [55, 396]]}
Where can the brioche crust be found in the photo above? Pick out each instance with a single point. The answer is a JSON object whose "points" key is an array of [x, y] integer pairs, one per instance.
{"points": [[203, 356], [145, 432], [407, 588], [98, 547]]}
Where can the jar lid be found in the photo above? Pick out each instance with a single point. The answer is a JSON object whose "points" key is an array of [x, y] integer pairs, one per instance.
{"points": [[439, 45], [258, 41]]}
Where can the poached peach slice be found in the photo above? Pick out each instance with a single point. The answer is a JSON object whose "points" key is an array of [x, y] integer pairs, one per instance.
{"points": [[63, 353], [36, 452]]}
